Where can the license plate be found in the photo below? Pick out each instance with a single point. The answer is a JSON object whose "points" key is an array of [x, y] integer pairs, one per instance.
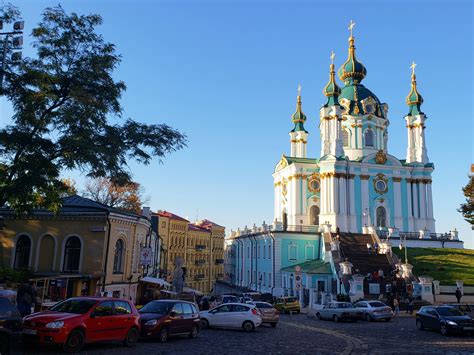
{"points": [[30, 331]]}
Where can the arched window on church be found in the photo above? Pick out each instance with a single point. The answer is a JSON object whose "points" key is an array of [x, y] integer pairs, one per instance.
{"points": [[314, 216], [369, 138], [345, 137], [381, 216]]}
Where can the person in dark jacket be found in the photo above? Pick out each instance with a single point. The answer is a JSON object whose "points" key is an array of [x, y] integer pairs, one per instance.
{"points": [[25, 299], [458, 295]]}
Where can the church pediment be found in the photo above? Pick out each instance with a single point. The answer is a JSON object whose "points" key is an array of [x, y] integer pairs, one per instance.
{"points": [[382, 158], [283, 163]]}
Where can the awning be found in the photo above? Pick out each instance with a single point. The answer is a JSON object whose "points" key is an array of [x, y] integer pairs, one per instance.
{"points": [[191, 290], [154, 280]]}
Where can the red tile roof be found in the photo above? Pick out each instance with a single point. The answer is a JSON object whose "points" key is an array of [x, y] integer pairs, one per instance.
{"points": [[195, 227], [205, 223], [171, 216]]}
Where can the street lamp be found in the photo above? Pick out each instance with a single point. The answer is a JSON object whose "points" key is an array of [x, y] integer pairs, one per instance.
{"points": [[12, 40]]}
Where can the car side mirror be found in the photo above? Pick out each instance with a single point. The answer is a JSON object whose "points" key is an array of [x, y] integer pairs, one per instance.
{"points": [[172, 314]]}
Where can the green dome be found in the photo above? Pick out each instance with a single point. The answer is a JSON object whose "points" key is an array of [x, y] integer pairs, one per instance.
{"points": [[414, 99], [298, 118], [355, 94], [352, 71], [331, 90]]}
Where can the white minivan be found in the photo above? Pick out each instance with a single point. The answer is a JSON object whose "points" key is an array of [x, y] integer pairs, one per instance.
{"points": [[232, 315]]}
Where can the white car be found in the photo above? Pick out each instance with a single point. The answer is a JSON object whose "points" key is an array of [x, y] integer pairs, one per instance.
{"points": [[232, 315]]}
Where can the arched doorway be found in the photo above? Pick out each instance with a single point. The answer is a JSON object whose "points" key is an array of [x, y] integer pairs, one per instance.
{"points": [[381, 216], [46, 254], [314, 216]]}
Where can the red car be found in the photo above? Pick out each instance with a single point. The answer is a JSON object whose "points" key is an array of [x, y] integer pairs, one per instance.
{"points": [[77, 321]]}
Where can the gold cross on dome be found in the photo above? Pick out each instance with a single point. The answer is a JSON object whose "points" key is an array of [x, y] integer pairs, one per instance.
{"points": [[412, 67], [332, 57], [299, 89], [351, 26]]}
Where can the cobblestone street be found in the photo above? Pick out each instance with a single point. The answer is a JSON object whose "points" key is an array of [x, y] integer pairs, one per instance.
{"points": [[303, 335]]}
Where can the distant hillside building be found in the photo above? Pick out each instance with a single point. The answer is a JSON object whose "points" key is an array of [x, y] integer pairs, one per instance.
{"points": [[200, 245]]}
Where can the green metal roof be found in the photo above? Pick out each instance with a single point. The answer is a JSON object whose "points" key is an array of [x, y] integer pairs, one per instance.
{"points": [[292, 160], [311, 267]]}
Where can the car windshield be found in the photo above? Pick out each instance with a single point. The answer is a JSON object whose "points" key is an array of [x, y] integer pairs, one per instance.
{"points": [[344, 305], [76, 306], [377, 304], [449, 312], [6, 309], [157, 307]]}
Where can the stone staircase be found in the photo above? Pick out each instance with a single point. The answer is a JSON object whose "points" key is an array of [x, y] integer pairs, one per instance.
{"points": [[354, 248]]}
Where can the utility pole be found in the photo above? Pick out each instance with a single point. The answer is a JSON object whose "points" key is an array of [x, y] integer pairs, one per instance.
{"points": [[12, 40]]}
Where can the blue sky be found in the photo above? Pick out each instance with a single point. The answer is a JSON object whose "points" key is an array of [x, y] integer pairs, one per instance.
{"points": [[226, 73]]}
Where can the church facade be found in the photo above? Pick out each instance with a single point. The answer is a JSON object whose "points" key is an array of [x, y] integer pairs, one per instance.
{"points": [[356, 182]]}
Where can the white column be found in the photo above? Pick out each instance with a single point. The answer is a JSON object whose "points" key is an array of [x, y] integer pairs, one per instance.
{"points": [[398, 219], [322, 194], [351, 195], [422, 188], [342, 193], [332, 199], [336, 191], [365, 198], [303, 193], [409, 207], [429, 200]]}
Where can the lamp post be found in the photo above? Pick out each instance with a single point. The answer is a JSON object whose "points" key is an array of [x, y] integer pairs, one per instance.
{"points": [[12, 40]]}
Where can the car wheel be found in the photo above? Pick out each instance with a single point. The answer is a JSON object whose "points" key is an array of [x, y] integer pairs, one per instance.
{"points": [[204, 323], [335, 318], [248, 326], [132, 337], [318, 315], [419, 325], [443, 329], [4, 344], [194, 332], [274, 325], [163, 336], [74, 342], [368, 318]]}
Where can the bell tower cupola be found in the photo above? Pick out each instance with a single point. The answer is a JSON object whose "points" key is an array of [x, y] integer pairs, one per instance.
{"points": [[298, 135]]}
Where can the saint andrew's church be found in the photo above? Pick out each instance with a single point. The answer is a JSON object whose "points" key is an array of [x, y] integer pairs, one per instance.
{"points": [[356, 182], [356, 189]]}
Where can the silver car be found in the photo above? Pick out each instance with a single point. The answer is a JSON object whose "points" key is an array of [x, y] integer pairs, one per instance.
{"points": [[339, 311], [374, 310]]}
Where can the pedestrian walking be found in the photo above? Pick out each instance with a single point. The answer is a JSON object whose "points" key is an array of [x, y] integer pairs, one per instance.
{"points": [[458, 294], [25, 299], [396, 307], [411, 305], [381, 273], [376, 248], [369, 248]]}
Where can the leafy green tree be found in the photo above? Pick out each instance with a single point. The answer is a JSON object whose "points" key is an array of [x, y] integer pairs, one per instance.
{"points": [[467, 208], [67, 115]]}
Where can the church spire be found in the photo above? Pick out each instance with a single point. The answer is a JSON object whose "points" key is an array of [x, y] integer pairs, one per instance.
{"points": [[298, 118], [331, 90], [414, 99], [352, 71]]}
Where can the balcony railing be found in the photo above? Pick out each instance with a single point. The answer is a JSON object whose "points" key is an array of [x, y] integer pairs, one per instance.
{"points": [[200, 247]]}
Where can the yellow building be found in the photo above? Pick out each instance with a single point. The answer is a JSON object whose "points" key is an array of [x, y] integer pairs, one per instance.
{"points": [[200, 245], [88, 248]]}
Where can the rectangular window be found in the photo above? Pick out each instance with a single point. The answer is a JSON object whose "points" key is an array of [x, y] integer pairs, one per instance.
{"points": [[292, 252], [248, 252], [259, 251], [309, 251], [269, 251], [270, 279], [264, 278], [264, 252]]}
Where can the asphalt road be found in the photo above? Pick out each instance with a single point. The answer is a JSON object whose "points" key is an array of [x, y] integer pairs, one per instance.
{"points": [[300, 335]]}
